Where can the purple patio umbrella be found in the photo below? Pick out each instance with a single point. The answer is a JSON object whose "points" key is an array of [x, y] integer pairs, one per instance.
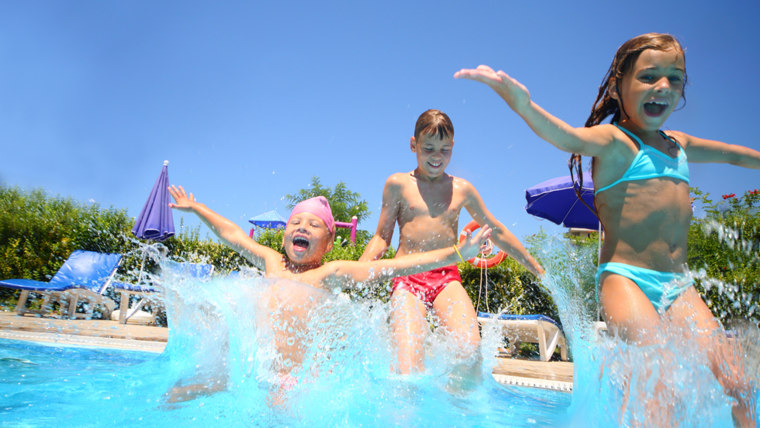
{"points": [[556, 201], [155, 221]]}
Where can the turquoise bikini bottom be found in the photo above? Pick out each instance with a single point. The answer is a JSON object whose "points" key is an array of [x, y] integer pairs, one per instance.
{"points": [[661, 288]]}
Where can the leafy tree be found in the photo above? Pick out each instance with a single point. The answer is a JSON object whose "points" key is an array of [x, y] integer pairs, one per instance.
{"points": [[344, 205]]}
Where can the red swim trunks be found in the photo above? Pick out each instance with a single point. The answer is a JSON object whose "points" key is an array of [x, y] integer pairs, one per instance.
{"points": [[427, 285]]}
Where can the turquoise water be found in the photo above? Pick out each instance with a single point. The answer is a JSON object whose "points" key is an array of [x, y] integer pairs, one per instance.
{"points": [[43, 385], [218, 334], [221, 366]]}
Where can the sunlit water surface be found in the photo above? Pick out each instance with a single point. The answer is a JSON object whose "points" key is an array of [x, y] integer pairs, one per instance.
{"points": [[221, 367]]}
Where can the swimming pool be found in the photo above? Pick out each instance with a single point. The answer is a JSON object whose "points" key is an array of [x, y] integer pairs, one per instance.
{"points": [[218, 334], [54, 385]]}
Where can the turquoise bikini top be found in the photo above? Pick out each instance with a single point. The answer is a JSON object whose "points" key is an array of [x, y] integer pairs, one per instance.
{"points": [[652, 163]]}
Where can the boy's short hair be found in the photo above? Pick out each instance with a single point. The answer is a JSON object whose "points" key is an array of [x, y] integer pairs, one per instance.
{"points": [[434, 122]]}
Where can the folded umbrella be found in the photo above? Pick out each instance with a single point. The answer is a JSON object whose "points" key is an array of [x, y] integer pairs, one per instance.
{"points": [[155, 221]]}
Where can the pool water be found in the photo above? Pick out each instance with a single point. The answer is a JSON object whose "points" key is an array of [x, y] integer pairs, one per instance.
{"points": [[349, 381], [43, 385], [222, 366]]}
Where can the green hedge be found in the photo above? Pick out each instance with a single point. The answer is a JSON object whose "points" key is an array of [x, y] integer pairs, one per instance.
{"points": [[725, 244], [506, 287], [38, 232]]}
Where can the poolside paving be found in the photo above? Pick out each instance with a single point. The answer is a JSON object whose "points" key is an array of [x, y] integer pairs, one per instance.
{"points": [[100, 333], [555, 375]]}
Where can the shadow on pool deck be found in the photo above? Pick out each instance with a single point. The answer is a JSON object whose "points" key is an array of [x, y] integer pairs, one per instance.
{"points": [[555, 375]]}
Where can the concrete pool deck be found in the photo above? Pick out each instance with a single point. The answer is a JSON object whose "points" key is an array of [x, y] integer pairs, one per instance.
{"points": [[554, 375]]}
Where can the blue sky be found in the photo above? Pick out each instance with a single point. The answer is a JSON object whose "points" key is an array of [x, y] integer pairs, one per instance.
{"points": [[249, 99]]}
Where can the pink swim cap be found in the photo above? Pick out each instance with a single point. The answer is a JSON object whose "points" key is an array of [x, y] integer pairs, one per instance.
{"points": [[317, 206]]}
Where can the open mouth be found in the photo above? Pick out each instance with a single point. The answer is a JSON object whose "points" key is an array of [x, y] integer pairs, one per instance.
{"points": [[436, 164], [300, 243], [655, 108]]}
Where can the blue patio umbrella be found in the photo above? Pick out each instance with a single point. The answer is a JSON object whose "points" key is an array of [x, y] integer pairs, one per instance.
{"points": [[269, 220], [155, 221], [556, 201]]}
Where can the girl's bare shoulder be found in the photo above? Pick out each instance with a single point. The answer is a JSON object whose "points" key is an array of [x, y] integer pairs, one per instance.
{"points": [[681, 138], [609, 133], [618, 145]]}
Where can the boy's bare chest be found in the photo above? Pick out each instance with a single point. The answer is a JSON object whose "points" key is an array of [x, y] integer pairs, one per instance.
{"points": [[439, 202]]}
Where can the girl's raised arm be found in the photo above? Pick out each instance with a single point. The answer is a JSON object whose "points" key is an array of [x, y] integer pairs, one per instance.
{"points": [[385, 269], [585, 141], [702, 150], [230, 233]]}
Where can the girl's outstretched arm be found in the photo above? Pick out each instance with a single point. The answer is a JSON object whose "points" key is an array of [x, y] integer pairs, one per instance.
{"points": [[702, 150], [230, 233], [385, 269], [585, 141]]}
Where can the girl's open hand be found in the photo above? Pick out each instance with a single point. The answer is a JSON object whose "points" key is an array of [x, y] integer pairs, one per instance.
{"points": [[472, 243], [513, 92], [182, 201]]}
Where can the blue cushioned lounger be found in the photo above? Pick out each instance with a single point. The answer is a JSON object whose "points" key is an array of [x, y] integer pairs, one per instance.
{"points": [[85, 275]]}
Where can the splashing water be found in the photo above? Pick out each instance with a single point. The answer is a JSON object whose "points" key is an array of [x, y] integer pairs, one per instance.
{"points": [[667, 383], [245, 350]]}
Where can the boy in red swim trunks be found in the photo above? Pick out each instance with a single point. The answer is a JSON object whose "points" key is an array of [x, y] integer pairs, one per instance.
{"points": [[308, 236], [426, 203]]}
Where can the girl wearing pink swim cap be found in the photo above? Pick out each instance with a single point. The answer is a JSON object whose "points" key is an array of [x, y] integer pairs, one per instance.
{"points": [[308, 236]]}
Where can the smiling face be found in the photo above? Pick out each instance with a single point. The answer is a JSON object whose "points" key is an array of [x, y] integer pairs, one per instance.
{"points": [[433, 154], [651, 89], [306, 239]]}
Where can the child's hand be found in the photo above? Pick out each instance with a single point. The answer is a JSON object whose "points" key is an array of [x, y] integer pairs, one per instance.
{"points": [[513, 92], [182, 201], [471, 245]]}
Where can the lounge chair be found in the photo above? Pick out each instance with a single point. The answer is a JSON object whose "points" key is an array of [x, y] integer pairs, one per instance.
{"points": [[149, 294], [538, 329], [85, 275]]}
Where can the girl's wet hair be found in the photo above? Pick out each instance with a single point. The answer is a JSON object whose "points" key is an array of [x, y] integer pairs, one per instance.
{"points": [[434, 122], [604, 105]]}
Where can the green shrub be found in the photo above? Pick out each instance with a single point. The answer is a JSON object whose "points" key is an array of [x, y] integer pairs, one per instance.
{"points": [[507, 287], [725, 244], [38, 233]]}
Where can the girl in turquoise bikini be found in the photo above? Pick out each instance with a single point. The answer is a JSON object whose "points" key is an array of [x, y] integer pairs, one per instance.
{"points": [[642, 197]]}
